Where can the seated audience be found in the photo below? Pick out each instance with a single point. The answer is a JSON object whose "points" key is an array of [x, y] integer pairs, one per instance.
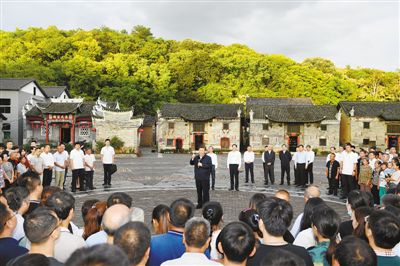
{"points": [[31, 181], [358, 222], [213, 213], [275, 217], [63, 204], [9, 248], [196, 239], [283, 194], [159, 219], [391, 199], [237, 243], [255, 199], [47, 192], [137, 214], [18, 202], [251, 218], [352, 251], [99, 255], [93, 219], [134, 239], [281, 257], [170, 246], [383, 232]]}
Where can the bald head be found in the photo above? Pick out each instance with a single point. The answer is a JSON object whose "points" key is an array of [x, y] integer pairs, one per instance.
{"points": [[311, 192], [115, 217]]}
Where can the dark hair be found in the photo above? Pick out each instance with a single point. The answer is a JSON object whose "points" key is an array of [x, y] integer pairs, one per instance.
{"points": [[86, 206], [197, 232], [251, 218], [30, 180], [352, 251], [357, 199], [61, 203], [160, 214], [281, 257], [276, 215], [393, 210], [255, 199], [15, 197], [389, 200], [181, 210], [309, 207], [40, 224], [134, 239], [47, 192], [119, 198], [107, 140], [385, 228], [104, 255], [34, 259], [300, 145], [4, 216], [360, 214], [93, 219], [237, 241], [212, 211]]}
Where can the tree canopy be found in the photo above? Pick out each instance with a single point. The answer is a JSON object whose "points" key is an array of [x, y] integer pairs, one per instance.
{"points": [[143, 71]]}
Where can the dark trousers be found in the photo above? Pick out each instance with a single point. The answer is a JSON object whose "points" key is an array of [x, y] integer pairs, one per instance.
{"points": [[285, 169], [107, 174], [375, 193], [47, 176], [347, 184], [203, 191], [249, 168], [234, 173], [269, 172], [89, 179], [65, 176], [296, 175], [333, 185], [309, 174], [213, 176], [81, 174], [301, 172]]}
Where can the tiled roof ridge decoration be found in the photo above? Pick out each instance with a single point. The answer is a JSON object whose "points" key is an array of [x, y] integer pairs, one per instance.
{"points": [[389, 111]]}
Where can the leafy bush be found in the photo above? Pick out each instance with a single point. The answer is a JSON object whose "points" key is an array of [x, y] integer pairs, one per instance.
{"points": [[116, 143]]}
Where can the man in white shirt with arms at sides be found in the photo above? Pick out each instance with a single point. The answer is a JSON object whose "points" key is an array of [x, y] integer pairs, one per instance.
{"points": [[48, 165], [310, 163], [77, 166], [348, 166], [107, 158], [60, 162], [214, 166], [233, 163], [89, 168], [248, 158]]}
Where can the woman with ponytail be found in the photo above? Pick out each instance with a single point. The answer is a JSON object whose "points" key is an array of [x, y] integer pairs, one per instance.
{"points": [[93, 219], [213, 213], [325, 225]]}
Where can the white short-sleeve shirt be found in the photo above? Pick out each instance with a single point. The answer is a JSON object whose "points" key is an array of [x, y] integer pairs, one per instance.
{"points": [[89, 160], [348, 159], [108, 153], [77, 159]]}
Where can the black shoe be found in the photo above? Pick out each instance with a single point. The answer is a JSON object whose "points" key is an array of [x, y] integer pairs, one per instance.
{"points": [[281, 184], [199, 206], [288, 184], [237, 189], [73, 190], [231, 189], [212, 188], [104, 184]]}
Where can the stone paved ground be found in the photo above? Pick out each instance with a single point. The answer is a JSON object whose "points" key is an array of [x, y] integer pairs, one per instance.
{"points": [[160, 178]]}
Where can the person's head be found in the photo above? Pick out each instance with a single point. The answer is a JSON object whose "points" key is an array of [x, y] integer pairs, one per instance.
{"points": [[107, 142], [283, 194], [86, 206], [352, 251], [210, 149], [348, 147], [46, 148], [202, 151], [269, 147], [355, 199], [284, 147], [63, 204], [309, 208], [365, 161], [31, 181], [332, 149], [281, 257], [255, 199], [311, 191], [47, 192], [8, 221], [391, 200], [249, 148], [23, 160], [386, 157], [88, 151], [275, 216], [119, 198], [197, 234], [9, 145], [384, 166], [308, 148], [371, 155], [332, 156], [34, 259], [358, 221], [17, 199], [37, 152], [42, 226], [212, 211], [236, 242], [341, 149], [251, 218], [362, 153], [114, 217], [77, 145], [382, 229], [396, 165], [98, 255], [301, 147], [93, 218], [134, 239], [159, 219], [181, 210], [234, 147], [4, 157]]}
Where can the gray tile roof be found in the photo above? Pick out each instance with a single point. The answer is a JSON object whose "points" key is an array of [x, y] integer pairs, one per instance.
{"points": [[15, 84], [200, 111], [149, 121], [81, 109], [278, 101], [297, 113], [55, 91], [386, 110]]}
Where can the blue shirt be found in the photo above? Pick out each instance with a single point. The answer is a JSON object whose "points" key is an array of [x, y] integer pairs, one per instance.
{"points": [[9, 250], [97, 238]]}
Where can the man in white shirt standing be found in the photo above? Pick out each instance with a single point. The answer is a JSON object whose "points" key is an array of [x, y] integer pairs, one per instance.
{"points": [[60, 162], [77, 165], [301, 160], [348, 166], [248, 158], [214, 166], [233, 163], [67, 163], [89, 168], [48, 165], [310, 163], [107, 158]]}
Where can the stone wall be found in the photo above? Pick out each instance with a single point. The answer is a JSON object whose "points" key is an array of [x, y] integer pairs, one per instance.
{"points": [[376, 132]]}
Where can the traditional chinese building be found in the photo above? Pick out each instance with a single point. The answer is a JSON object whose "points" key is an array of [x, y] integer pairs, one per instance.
{"points": [[184, 127], [368, 124], [291, 121]]}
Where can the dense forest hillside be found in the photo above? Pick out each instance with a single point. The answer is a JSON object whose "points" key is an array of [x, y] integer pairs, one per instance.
{"points": [[140, 69]]}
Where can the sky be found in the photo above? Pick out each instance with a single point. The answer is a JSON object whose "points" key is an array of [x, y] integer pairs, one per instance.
{"points": [[359, 33]]}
